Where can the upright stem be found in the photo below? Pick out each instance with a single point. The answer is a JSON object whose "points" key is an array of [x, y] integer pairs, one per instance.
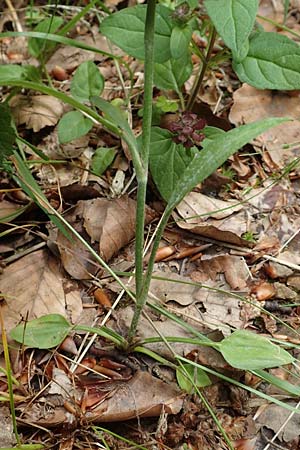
{"points": [[145, 150], [198, 83], [141, 300]]}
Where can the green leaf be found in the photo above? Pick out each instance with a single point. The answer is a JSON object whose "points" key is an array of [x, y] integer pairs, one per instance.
{"points": [[49, 25], [7, 132], [248, 351], [102, 159], [273, 62], [278, 382], [168, 161], [173, 73], [46, 332], [180, 40], [214, 153], [73, 125], [87, 82], [234, 20], [12, 72], [126, 29], [200, 378]]}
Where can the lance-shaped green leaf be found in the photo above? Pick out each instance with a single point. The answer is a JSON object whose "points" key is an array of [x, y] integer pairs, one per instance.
{"points": [[248, 351], [272, 62], [234, 20], [126, 29], [214, 153]]}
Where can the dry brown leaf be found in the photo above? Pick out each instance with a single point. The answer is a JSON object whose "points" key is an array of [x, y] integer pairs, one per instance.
{"points": [[276, 417], [213, 218], [142, 396], [35, 285], [234, 268], [69, 58], [36, 111], [7, 437], [109, 222], [7, 208], [270, 104]]}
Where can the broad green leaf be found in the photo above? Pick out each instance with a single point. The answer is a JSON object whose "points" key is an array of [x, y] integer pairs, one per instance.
{"points": [[7, 132], [87, 82], [46, 332], [126, 29], [173, 73], [73, 125], [200, 378], [214, 153], [273, 62], [234, 20], [180, 40], [248, 351], [168, 161], [102, 159], [12, 72], [49, 25]]}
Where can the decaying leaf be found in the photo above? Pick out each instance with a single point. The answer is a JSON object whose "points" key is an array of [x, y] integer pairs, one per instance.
{"points": [[274, 417], [270, 104], [214, 218], [141, 396], [36, 111], [111, 223], [234, 269], [34, 286]]}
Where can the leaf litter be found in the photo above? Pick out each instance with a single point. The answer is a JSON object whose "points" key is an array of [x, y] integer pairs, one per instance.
{"points": [[238, 226]]}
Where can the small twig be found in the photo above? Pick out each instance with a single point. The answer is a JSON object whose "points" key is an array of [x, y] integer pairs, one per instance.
{"points": [[282, 262]]}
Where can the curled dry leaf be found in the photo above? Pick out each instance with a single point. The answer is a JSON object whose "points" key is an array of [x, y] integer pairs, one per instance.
{"points": [[111, 223], [34, 286], [213, 218], [141, 396], [270, 104], [36, 111]]}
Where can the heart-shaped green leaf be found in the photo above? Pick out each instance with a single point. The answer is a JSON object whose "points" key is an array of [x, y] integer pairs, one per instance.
{"points": [[180, 40], [272, 62], [87, 82], [234, 20], [199, 377], [126, 29], [168, 161], [73, 125], [173, 73]]}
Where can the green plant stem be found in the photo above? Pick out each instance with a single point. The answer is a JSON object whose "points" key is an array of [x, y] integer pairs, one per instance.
{"points": [[9, 381], [147, 119], [141, 300], [279, 25], [205, 63]]}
